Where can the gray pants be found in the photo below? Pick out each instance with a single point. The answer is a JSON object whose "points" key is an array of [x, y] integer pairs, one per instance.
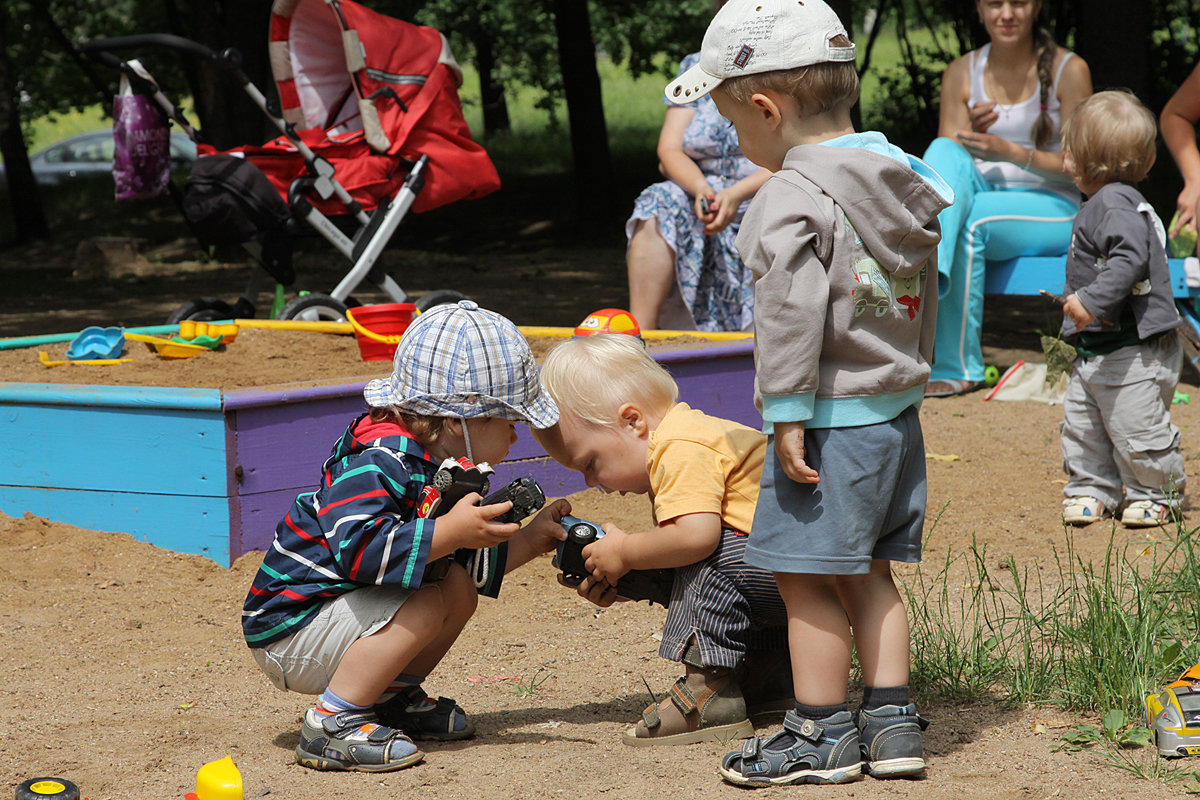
{"points": [[1116, 429]]}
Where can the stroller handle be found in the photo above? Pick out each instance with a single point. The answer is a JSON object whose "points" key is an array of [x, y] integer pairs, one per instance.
{"points": [[230, 58]]}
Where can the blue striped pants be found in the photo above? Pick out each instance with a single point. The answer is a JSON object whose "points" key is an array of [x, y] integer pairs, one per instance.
{"points": [[985, 222], [725, 607]]}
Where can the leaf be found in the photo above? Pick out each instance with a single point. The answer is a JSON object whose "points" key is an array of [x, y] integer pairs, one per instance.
{"points": [[1082, 735], [1137, 736], [940, 457], [1059, 356], [1113, 720]]}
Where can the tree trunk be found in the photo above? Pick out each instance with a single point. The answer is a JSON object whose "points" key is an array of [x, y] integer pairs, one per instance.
{"points": [[585, 109], [227, 116], [1112, 39], [28, 218], [491, 92]]}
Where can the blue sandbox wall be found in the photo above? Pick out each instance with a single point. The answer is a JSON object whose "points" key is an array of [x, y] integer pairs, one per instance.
{"points": [[210, 472]]}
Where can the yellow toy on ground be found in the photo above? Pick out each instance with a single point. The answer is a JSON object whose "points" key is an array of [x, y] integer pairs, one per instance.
{"points": [[1174, 715], [218, 780]]}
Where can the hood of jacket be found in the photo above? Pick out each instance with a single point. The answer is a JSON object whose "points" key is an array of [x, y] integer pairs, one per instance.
{"points": [[364, 434], [865, 185]]}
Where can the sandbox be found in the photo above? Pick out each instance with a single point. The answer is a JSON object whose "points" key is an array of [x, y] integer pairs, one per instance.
{"points": [[211, 471]]}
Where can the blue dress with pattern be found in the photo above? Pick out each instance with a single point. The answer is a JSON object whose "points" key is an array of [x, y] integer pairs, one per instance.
{"points": [[715, 285]]}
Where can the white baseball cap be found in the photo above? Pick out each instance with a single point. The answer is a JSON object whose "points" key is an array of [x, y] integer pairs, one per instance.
{"points": [[750, 36]]}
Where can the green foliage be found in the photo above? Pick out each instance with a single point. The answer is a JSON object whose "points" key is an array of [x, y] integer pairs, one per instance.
{"points": [[1090, 638], [51, 74], [522, 37], [907, 100], [1124, 745], [638, 32], [1173, 48], [529, 688], [1086, 637]]}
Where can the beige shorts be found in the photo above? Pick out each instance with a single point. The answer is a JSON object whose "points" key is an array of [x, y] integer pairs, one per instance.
{"points": [[305, 661]]}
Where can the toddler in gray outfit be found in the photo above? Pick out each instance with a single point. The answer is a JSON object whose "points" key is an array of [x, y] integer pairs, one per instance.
{"points": [[1120, 450]]}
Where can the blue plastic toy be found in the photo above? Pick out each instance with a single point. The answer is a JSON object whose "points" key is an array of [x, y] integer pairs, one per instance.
{"points": [[94, 342]]}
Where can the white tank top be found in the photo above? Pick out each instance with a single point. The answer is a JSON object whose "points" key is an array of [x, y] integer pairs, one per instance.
{"points": [[1015, 123]]}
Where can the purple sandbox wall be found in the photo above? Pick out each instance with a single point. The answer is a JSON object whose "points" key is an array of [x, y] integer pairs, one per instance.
{"points": [[279, 438]]}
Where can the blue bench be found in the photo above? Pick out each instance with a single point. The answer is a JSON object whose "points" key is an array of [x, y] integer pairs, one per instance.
{"points": [[1028, 274]]}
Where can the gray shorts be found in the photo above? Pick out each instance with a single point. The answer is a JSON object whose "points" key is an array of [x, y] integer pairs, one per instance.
{"points": [[869, 504], [305, 661]]}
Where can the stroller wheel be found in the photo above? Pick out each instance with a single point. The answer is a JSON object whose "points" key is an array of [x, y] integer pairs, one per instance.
{"points": [[202, 309], [439, 297], [314, 307]]}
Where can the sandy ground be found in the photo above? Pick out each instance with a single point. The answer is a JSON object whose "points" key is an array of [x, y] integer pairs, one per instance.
{"points": [[127, 670]]}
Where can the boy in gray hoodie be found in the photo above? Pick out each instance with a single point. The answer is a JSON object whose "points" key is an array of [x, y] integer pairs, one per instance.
{"points": [[843, 242]]}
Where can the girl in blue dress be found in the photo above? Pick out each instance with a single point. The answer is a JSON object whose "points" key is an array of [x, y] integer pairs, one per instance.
{"points": [[684, 271]]}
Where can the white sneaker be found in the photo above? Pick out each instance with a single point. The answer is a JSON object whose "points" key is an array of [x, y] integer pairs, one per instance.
{"points": [[1082, 510]]}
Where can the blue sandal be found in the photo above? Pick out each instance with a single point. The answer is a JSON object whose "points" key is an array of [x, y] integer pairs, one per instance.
{"points": [[805, 751], [419, 716]]}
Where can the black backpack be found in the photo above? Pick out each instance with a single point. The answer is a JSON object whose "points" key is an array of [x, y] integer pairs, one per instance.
{"points": [[228, 200]]}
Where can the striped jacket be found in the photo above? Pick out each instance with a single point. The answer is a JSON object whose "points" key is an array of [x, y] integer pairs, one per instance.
{"points": [[359, 528]]}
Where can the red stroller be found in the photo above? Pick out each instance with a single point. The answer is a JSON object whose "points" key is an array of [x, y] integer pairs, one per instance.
{"points": [[371, 126]]}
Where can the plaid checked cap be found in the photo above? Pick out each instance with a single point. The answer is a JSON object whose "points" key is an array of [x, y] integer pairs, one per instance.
{"points": [[460, 360]]}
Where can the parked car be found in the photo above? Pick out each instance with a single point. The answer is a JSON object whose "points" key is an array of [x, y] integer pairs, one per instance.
{"points": [[91, 155]]}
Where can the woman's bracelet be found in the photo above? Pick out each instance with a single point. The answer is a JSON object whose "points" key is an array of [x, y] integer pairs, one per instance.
{"points": [[1028, 161]]}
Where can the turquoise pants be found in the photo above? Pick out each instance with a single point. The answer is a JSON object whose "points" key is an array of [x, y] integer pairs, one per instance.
{"points": [[985, 223]]}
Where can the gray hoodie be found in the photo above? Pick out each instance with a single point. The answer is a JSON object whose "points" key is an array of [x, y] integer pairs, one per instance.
{"points": [[843, 244], [1118, 258]]}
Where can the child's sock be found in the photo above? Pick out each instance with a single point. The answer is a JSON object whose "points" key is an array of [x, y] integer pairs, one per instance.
{"points": [[330, 703], [817, 713], [879, 696], [399, 683]]}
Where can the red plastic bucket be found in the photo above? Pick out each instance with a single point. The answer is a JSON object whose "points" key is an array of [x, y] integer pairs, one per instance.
{"points": [[378, 328]]}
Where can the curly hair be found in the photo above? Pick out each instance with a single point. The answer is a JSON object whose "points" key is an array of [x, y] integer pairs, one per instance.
{"points": [[1111, 137]]}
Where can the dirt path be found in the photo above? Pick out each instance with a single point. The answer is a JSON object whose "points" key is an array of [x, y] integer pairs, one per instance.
{"points": [[128, 672]]}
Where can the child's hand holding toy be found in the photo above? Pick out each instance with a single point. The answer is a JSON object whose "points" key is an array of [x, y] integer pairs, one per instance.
{"points": [[545, 531], [604, 557]]}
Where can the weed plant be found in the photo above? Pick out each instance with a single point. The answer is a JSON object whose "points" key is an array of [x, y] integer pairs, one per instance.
{"points": [[1086, 637]]}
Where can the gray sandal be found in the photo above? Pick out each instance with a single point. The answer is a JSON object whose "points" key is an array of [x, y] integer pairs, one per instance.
{"points": [[805, 751], [329, 743], [415, 712]]}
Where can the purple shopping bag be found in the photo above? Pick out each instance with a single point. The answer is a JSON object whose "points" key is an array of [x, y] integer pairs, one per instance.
{"points": [[141, 153]]}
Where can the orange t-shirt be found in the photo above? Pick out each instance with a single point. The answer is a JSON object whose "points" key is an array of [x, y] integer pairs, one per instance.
{"points": [[703, 464]]}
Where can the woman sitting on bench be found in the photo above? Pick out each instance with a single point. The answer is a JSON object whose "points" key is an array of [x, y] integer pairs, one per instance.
{"points": [[999, 136]]}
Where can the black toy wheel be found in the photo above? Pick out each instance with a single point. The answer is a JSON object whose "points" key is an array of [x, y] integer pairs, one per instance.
{"points": [[438, 297], [47, 789], [442, 479], [202, 309], [314, 307]]}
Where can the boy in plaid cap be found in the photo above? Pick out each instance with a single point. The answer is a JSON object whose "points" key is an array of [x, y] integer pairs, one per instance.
{"points": [[360, 596]]}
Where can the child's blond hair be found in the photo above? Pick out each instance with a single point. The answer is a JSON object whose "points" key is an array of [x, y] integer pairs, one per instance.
{"points": [[591, 377], [1111, 137], [816, 89]]}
